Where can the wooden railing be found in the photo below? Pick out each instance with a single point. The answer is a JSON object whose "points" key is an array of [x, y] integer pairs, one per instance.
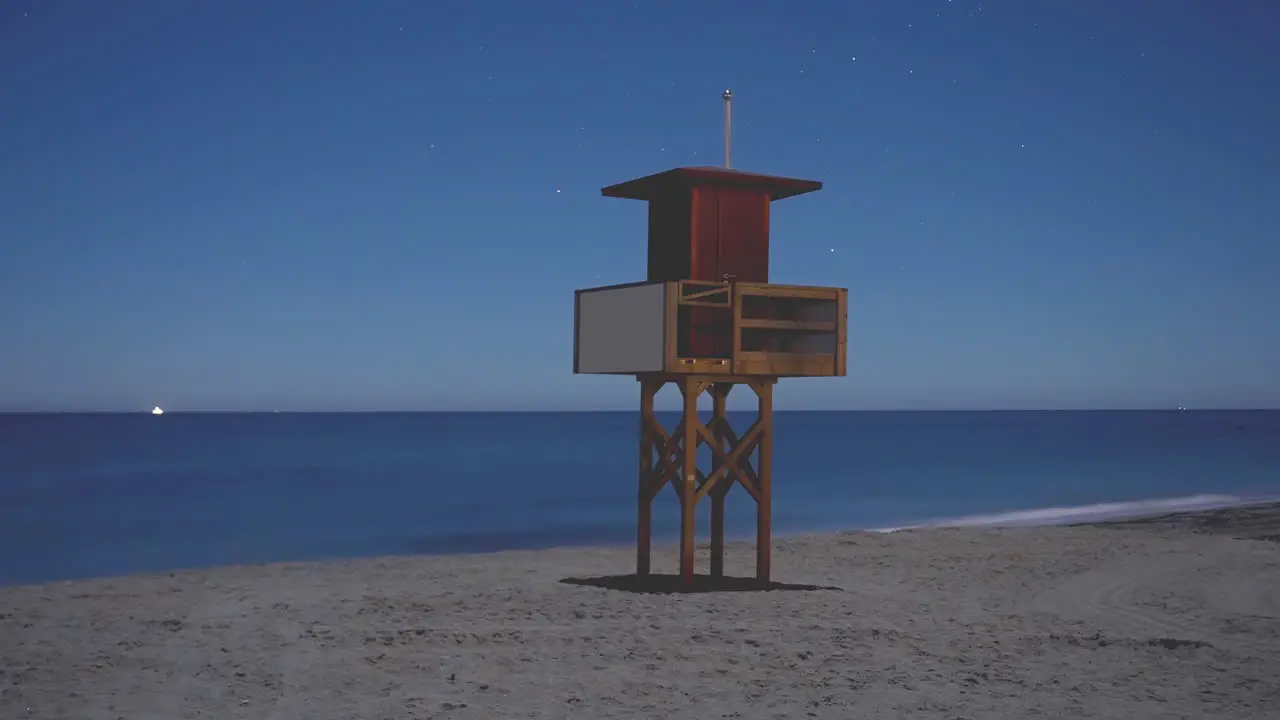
{"points": [[778, 330]]}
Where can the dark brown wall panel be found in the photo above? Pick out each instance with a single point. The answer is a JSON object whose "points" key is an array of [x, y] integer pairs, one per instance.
{"points": [[669, 254]]}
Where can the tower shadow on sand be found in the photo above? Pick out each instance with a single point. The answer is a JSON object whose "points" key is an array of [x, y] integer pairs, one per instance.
{"points": [[658, 584]]}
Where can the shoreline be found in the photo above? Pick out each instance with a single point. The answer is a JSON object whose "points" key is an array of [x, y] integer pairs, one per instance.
{"points": [[1254, 521], [1167, 615], [1092, 514], [1045, 516]]}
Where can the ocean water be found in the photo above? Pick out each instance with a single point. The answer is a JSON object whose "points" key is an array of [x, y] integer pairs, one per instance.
{"points": [[99, 495]]}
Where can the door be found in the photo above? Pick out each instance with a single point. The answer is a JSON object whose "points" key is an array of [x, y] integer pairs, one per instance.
{"points": [[743, 237]]}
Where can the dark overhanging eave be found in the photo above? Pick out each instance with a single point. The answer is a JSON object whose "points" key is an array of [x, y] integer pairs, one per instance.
{"points": [[652, 186]]}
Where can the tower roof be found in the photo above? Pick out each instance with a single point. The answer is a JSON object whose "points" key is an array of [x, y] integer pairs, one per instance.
{"points": [[651, 186]]}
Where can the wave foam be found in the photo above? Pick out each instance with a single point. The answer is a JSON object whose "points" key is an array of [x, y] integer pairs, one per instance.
{"points": [[1088, 513]]}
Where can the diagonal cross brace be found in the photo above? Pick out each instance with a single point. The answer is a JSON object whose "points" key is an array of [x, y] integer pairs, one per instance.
{"points": [[668, 457], [729, 462]]}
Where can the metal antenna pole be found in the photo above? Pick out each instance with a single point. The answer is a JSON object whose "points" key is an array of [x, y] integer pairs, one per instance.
{"points": [[728, 128]]}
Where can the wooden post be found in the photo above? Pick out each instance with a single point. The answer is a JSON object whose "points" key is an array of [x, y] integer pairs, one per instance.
{"points": [[688, 481], [764, 504], [719, 393], [644, 519]]}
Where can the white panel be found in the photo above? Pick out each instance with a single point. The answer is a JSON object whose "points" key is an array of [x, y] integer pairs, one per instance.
{"points": [[620, 330]]}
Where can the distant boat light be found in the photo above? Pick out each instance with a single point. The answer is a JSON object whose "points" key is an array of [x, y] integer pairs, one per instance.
{"points": [[156, 410]]}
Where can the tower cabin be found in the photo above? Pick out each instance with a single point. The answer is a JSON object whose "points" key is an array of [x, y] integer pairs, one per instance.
{"points": [[707, 306], [706, 319]]}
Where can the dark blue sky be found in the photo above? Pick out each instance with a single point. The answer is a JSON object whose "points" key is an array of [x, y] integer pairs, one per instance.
{"points": [[388, 205]]}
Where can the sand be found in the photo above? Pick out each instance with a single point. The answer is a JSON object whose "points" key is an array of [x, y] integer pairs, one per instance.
{"points": [[1171, 618]]}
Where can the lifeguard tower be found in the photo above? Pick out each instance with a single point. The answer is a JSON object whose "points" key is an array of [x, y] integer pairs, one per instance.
{"points": [[707, 319]]}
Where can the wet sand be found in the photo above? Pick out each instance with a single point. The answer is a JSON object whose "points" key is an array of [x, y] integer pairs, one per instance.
{"points": [[1170, 617]]}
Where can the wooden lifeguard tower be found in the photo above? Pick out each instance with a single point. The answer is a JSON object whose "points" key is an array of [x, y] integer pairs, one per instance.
{"points": [[708, 319]]}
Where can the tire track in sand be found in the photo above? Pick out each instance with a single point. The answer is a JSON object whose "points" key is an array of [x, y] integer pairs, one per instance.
{"points": [[1195, 595]]}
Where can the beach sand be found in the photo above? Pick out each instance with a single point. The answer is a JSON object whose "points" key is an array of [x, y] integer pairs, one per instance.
{"points": [[1176, 617]]}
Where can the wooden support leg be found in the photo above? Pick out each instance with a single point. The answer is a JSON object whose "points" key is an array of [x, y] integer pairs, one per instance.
{"points": [[688, 478], [644, 518], [719, 392], [717, 533], [764, 508]]}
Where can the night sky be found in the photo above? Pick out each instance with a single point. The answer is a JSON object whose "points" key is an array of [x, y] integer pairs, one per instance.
{"points": [[358, 205]]}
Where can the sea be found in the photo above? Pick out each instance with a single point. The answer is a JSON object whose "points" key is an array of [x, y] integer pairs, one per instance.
{"points": [[92, 495]]}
